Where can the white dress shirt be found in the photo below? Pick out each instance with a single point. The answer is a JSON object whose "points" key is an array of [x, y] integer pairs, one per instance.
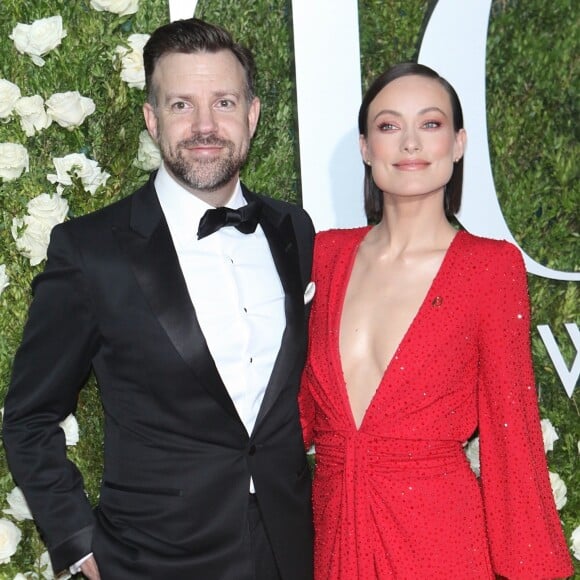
{"points": [[235, 290]]}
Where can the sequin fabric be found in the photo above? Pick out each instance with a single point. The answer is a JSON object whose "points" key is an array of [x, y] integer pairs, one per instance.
{"points": [[397, 498]]}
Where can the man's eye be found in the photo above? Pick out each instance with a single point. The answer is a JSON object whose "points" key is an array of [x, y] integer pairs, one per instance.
{"points": [[179, 106], [225, 103]]}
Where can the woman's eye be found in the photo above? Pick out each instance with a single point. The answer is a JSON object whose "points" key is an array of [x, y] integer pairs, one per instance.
{"points": [[432, 124], [386, 127]]}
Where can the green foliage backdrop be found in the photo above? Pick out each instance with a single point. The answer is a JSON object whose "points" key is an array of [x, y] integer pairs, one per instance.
{"points": [[532, 117]]}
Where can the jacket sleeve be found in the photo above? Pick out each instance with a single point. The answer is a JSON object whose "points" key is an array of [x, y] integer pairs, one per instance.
{"points": [[50, 367], [526, 538]]}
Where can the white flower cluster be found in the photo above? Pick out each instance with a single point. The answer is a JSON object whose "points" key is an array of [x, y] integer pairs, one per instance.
{"points": [[575, 547], [132, 69], [148, 154], [68, 109], [4, 279], [10, 536], [18, 509], [549, 435], [38, 38], [472, 454], [559, 490], [33, 116], [71, 430], [14, 161], [32, 232], [77, 165], [120, 7]]}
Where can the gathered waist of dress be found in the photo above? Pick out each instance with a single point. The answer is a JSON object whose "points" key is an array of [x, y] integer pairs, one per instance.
{"points": [[388, 456]]}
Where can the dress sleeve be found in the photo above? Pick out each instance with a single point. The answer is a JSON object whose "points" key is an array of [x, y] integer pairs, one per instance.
{"points": [[525, 534]]}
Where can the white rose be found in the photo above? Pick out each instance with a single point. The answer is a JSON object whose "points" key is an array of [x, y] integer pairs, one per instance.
{"points": [[71, 430], [19, 509], [33, 116], [9, 94], [148, 154], [121, 7], [50, 208], [69, 109], [31, 236], [32, 232], [472, 454], [4, 280], [13, 160], [132, 69], [549, 434], [575, 547], [10, 537], [558, 489], [38, 38], [77, 164]]}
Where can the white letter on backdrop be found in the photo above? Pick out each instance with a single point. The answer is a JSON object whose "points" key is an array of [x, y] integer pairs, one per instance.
{"points": [[327, 54], [454, 44], [181, 9], [569, 378]]}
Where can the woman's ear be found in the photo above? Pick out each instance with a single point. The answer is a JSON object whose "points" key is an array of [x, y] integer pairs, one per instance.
{"points": [[362, 142], [460, 144]]}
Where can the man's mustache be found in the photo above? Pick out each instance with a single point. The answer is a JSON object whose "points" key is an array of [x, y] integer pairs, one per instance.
{"points": [[197, 141]]}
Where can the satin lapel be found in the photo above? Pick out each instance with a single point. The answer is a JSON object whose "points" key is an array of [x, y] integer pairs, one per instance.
{"points": [[150, 250], [282, 241]]}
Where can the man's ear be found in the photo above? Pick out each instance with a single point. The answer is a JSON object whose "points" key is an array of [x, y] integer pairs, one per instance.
{"points": [[253, 115], [150, 120]]}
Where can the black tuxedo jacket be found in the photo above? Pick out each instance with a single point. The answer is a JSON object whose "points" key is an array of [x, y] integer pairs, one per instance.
{"points": [[178, 459]]}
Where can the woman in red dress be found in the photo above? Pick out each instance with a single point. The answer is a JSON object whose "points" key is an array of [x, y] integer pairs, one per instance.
{"points": [[419, 336]]}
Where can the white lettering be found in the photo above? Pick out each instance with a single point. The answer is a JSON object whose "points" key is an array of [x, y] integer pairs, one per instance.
{"points": [[464, 68], [569, 378], [328, 82], [181, 9]]}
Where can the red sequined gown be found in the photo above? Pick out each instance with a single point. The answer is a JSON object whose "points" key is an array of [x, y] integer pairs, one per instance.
{"points": [[397, 498]]}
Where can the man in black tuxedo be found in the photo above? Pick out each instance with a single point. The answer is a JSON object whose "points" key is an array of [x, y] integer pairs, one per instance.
{"points": [[197, 339]]}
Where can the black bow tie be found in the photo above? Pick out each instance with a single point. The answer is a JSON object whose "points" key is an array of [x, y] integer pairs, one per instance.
{"points": [[244, 219]]}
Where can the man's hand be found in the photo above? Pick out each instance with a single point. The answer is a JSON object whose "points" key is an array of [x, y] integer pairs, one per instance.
{"points": [[90, 569]]}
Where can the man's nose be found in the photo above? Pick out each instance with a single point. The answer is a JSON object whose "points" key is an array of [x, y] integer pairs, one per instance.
{"points": [[204, 120]]}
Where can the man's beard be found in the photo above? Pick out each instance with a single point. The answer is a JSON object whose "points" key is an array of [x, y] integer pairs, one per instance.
{"points": [[204, 174]]}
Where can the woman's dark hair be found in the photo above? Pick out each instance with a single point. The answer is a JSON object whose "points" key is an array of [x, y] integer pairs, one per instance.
{"points": [[192, 36], [373, 195]]}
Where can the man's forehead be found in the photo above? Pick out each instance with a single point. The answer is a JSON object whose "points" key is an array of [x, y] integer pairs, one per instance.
{"points": [[221, 62]]}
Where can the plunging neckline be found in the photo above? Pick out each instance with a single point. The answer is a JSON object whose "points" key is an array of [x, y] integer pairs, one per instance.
{"points": [[396, 352]]}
